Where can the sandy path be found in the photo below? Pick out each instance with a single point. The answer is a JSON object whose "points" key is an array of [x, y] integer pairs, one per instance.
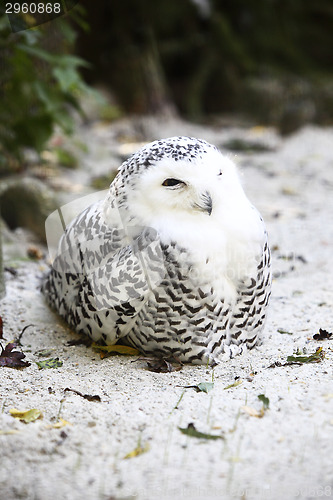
{"points": [[285, 454]]}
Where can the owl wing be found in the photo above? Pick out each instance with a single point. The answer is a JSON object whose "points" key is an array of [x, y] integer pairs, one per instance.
{"points": [[250, 311], [102, 276]]}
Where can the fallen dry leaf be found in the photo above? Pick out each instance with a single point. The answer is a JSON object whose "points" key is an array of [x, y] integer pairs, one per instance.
{"points": [[117, 349], [323, 335], [26, 415], [139, 450], [253, 412], [34, 253], [11, 358], [58, 425], [163, 366]]}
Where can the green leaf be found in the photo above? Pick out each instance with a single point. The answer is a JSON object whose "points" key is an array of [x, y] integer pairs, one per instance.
{"points": [[67, 77], [264, 400], [235, 384], [284, 332], [201, 387], [73, 61], [49, 363], [205, 386], [191, 431], [315, 357], [37, 52]]}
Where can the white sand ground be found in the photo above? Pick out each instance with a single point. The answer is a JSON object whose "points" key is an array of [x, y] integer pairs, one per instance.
{"points": [[286, 454]]}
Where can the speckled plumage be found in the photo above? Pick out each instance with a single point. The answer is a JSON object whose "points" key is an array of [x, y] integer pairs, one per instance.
{"points": [[174, 261]]}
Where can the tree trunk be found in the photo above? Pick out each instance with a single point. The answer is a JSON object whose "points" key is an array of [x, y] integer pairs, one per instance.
{"points": [[155, 87]]}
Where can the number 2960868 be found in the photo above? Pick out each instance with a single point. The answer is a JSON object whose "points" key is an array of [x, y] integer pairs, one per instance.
{"points": [[33, 8]]}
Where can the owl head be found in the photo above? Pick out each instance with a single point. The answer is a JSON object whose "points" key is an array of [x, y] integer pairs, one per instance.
{"points": [[179, 178]]}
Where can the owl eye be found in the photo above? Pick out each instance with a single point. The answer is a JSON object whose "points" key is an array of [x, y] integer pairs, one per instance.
{"points": [[172, 182]]}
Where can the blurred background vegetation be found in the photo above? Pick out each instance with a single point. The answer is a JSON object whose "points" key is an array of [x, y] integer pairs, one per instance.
{"points": [[212, 56], [271, 60], [39, 85]]}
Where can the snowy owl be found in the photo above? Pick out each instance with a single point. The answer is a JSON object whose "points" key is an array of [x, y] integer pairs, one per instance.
{"points": [[174, 261]]}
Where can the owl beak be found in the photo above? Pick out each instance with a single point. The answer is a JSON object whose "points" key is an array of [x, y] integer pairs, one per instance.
{"points": [[206, 203]]}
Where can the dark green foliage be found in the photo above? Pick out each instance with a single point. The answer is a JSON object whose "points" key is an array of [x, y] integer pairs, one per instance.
{"points": [[39, 85]]}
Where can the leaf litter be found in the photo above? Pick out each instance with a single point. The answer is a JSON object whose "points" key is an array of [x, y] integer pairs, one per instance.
{"points": [[201, 387], [59, 424], [264, 400], [234, 384], [8, 356], [323, 335], [191, 431], [300, 359], [255, 413], [26, 416], [164, 365], [284, 332], [138, 450], [49, 363], [11, 358], [115, 349], [315, 357]]}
